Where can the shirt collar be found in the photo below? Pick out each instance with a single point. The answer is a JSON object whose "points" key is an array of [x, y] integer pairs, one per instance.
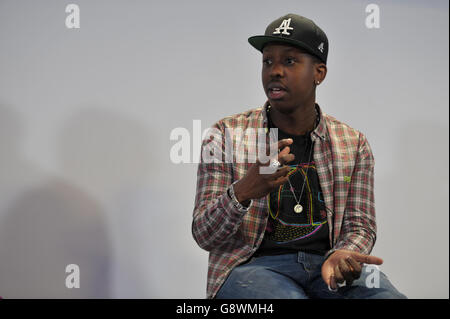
{"points": [[320, 130]]}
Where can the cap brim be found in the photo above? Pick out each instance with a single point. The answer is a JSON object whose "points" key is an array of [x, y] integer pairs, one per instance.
{"points": [[259, 41]]}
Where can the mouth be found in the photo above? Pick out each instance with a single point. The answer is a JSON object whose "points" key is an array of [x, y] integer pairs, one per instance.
{"points": [[276, 91]]}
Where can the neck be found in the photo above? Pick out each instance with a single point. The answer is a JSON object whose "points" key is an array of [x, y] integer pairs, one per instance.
{"points": [[299, 122]]}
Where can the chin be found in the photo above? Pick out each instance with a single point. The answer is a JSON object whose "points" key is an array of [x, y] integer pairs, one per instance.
{"points": [[282, 106]]}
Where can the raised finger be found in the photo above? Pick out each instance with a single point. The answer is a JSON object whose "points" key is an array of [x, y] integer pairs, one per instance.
{"points": [[284, 151], [367, 259], [286, 158], [280, 144], [284, 142], [280, 157], [276, 146]]}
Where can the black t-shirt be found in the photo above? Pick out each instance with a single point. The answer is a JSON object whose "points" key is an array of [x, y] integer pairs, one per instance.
{"points": [[288, 231]]}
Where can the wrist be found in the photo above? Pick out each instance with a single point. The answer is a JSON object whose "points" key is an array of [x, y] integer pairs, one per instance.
{"points": [[243, 206], [240, 196]]}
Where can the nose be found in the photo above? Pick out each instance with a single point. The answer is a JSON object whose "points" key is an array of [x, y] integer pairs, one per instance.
{"points": [[277, 70]]}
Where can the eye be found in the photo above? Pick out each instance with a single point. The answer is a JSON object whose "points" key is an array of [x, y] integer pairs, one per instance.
{"points": [[267, 61], [290, 61]]}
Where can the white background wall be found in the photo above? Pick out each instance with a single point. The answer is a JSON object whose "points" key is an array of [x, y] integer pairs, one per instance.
{"points": [[86, 115]]}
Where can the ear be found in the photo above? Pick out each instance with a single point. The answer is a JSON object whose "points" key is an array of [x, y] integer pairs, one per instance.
{"points": [[320, 72]]}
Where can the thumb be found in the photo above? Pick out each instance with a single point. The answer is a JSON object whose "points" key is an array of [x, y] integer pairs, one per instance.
{"points": [[327, 272], [367, 259]]}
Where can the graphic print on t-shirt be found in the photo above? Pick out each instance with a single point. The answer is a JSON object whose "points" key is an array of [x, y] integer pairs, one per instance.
{"points": [[288, 231], [284, 224]]}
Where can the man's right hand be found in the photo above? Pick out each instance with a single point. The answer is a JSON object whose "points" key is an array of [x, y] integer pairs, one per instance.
{"points": [[256, 185]]}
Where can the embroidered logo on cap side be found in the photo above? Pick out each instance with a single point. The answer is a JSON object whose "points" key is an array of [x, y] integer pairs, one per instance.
{"points": [[320, 47], [285, 26]]}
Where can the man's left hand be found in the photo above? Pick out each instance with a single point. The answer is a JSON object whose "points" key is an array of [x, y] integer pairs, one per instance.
{"points": [[345, 266]]}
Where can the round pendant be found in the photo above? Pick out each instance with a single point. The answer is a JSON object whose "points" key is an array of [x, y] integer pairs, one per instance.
{"points": [[298, 208]]}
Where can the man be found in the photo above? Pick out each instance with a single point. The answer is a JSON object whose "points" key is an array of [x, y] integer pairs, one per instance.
{"points": [[303, 224]]}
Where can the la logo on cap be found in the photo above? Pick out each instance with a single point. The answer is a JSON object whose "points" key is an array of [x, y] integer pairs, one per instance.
{"points": [[285, 26]]}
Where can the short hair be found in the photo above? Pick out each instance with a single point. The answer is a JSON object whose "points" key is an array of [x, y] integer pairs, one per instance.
{"points": [[315, 60]]}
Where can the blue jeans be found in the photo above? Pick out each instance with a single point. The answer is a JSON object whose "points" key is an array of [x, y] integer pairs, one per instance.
{"points": [[298, 276]]}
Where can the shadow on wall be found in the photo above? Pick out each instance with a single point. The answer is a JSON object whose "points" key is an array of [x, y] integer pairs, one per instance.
{"points": [[15, 170], [124, 162], [44, 230], [109, 213], [44, 226], [116, 157]]}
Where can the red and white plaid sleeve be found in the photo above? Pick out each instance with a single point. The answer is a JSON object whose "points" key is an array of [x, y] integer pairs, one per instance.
{"points": [[215, 217], [358, 232]]}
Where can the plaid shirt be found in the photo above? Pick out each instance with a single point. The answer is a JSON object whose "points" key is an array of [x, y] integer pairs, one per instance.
{"points": [[345, 166]]}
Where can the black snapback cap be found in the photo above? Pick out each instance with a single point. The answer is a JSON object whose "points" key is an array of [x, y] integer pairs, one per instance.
{"points": [[297, 31]]}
